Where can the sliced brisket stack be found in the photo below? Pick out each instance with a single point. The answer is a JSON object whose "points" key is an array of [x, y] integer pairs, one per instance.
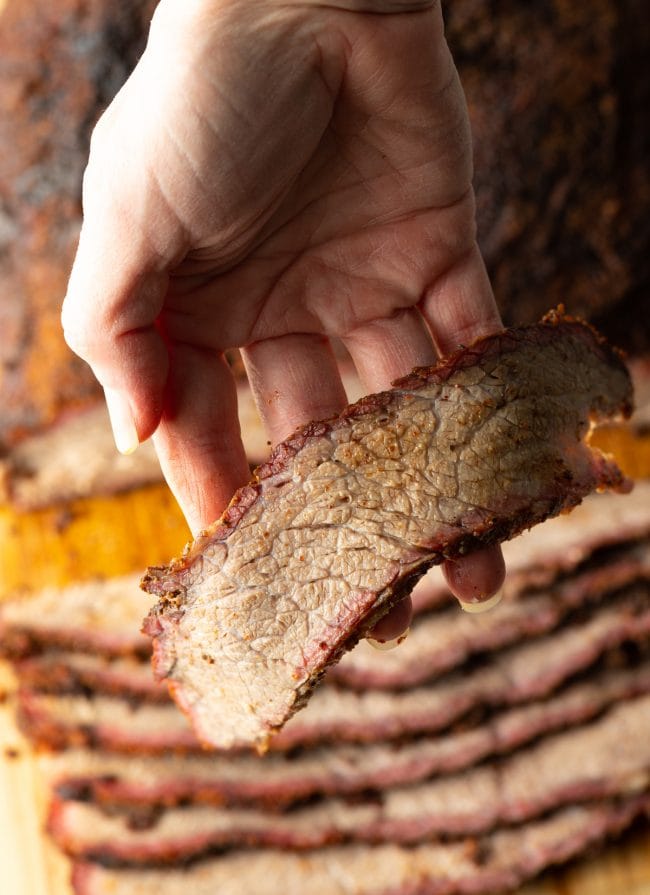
{"points": [[498, 862], [485, 749], [609, 757]]}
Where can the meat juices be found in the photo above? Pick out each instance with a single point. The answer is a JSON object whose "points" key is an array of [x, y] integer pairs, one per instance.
{"points": [[349, 513]]}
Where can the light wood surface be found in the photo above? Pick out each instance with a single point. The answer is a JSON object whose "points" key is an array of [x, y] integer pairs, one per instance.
{"points": [[110, 536]]}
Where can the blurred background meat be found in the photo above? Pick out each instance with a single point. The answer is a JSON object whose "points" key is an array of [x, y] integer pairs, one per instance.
{"points": [[558, 94], [60, 65]]}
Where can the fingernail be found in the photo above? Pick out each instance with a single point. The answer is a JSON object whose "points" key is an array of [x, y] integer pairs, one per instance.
{"points": [[385, 645], [122, 423], [484, 605]]}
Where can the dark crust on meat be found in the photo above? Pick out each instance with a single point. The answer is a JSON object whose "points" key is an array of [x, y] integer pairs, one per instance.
{"points": [[168, 582]]}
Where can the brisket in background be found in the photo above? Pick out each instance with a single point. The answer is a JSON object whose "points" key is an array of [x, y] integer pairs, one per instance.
{"points": [[61, 63], [558, 94]]}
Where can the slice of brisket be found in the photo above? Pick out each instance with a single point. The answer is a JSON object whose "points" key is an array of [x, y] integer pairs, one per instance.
{"points": [[98, 616], [105, 722], [76, 457], [67, 672], [276, 781], [524, 672], [349, 513], [500, 861], [606, 758], [445, 639]]}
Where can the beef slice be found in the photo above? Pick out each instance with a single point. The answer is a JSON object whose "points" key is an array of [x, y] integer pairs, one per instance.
{"points": [[348, 513]]}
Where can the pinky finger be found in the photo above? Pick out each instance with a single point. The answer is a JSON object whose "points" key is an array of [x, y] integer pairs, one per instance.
{"points": [[476, 579]]}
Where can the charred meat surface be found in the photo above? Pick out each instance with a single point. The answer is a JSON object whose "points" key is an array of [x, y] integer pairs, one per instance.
{"points": [[348, 513]]}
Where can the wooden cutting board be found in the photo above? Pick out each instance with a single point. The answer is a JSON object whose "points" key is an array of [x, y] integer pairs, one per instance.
{"points": [[111, 536]]}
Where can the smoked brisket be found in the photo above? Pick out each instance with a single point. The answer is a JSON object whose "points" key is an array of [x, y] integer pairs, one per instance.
{"points": [[497, 862], [70, 672], [76, 457], [69, 617], [98, 616], [453, 636], [348, 513], [336, 769], [606, 758]]}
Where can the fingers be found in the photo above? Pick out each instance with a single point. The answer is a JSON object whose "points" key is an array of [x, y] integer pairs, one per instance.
{"points": [[384, 350], [459, 306], [108, 318], [198, 440], [394, 624], [475, 580], [119, 278], [477, 577], [294, 379]]}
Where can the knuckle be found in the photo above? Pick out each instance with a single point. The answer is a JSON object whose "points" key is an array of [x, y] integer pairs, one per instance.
{"points": [[77, 331]]}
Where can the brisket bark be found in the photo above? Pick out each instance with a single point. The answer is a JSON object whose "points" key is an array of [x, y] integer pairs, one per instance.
{"points": [[276, 781], [606, 758], [522, 673], [348, 514], [67, 672], [561, 88], [499, 861]]}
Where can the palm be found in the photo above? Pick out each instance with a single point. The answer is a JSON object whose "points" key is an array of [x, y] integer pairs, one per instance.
{"points": [[352, 210]]}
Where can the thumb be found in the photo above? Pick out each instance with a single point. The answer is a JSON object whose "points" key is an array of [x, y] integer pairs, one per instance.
{"points": [[109, 315], [119, 278]]}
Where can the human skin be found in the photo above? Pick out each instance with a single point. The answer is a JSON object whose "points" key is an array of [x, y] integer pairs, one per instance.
{"points": [[274, 175]]}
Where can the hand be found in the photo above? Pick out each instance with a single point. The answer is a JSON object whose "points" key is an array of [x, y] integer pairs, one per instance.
{"points": [[274, 174]]}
